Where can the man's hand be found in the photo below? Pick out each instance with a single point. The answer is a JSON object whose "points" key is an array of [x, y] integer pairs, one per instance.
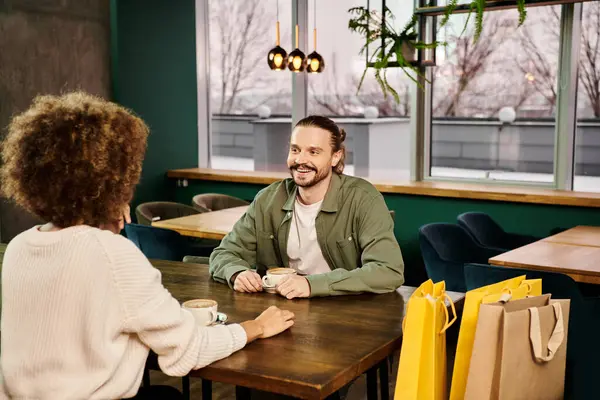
{"points": [[294, 286], [247, 282]]}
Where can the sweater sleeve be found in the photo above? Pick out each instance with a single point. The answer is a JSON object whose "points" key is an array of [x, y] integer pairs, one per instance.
{"points": [[152, 313]]}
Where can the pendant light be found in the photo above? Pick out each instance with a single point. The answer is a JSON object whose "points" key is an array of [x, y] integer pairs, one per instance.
{"points": [[277, 58], [314, 61], [297, 59]]}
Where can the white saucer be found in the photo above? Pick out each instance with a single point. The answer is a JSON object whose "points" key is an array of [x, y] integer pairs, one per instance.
{"points": [[271, 290], [221, 318]]}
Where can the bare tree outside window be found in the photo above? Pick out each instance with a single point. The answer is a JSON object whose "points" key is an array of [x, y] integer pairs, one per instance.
{"points": [[241, 34], [504, 68], [465, 75], [481, 87], [336, 94], [539, 59], [589, 67]]}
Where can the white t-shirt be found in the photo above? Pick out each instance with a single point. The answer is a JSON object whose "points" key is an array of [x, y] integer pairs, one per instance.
{"points": [[305, 254]]}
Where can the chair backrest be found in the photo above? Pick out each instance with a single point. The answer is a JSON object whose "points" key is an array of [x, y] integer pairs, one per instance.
{"points": [[145, 212], [445, 249], [561, 286], [452, 243], [157, 243], [215, 202], [483, 229]]}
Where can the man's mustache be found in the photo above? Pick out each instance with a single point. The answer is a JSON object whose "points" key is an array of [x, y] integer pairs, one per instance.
{"points": [[305, 166]]}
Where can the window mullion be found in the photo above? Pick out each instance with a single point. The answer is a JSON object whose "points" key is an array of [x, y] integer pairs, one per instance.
{"points": [[566, 111]]}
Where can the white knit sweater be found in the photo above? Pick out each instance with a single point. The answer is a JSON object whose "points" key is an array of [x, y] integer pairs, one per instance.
{"points": [[81, 308]]}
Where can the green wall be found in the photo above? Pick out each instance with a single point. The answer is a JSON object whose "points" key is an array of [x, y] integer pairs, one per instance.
{"points": [[153, 57], [414, 211]]}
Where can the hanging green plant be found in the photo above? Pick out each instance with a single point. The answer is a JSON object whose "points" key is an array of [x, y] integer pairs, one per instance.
{"points": [[449, 10], [478, 6], [522, 11], [395, 48]]}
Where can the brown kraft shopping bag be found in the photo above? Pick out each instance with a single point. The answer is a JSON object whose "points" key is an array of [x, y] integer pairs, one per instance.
{"points": [[519, 350]]}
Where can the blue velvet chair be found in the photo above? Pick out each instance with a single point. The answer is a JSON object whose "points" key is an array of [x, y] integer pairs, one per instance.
{"points": [[157, 243], [583, 348], [446, 248], [489, 233], [163, 210]]}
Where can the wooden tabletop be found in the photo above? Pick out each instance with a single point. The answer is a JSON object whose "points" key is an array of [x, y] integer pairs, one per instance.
{"points": [[575, 252], [333, 341], [209, 225], [580, 236]]}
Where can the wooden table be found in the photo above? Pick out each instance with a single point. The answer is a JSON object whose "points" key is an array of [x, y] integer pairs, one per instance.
{"points": [[579, 236], [209, 225], [575, 252], [334, 339]]}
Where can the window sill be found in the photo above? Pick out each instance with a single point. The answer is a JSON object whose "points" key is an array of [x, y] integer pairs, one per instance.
{"points": [[515, 194]]}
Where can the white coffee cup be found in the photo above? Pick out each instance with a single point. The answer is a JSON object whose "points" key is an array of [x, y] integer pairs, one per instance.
{"points": [[203, 310], [275, 275]]}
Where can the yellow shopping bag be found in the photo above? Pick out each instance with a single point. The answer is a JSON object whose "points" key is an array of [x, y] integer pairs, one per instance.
{"points": [[516, 288], [422, 368], [527, 287]]}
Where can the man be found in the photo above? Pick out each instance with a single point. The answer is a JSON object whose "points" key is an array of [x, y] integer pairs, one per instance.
{"points": [[334, 230]]}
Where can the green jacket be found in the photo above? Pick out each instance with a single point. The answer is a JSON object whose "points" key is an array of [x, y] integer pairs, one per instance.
{"points": [[354, 229]]}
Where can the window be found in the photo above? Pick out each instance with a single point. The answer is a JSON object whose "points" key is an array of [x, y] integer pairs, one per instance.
{"points": [[587, 144], [242, 85], [377, 127], [494, 99], [334, 92]]}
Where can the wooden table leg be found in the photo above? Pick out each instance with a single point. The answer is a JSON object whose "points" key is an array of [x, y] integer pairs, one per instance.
{"points": [[384, 380], [146, 378], [242, 393], [185, 385], [372, 383], [206, 389]]}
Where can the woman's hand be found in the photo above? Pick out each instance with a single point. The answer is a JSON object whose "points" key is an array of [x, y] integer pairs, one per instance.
{"points": [[118, 225], [125, 218], [271, 322]]}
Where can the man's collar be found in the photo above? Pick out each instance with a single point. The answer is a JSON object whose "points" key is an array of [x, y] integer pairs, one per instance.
{"points": [[330, 202]]}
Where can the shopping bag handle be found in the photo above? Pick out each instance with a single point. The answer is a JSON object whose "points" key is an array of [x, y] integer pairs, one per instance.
{"points": [[507, 293], [448, 323], [535, 334]]}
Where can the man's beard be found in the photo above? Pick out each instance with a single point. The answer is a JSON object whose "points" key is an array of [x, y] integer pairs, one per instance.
{"points": [[317, 175]]}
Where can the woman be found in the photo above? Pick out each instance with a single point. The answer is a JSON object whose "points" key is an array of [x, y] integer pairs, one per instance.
{"points": [[81, 305]]}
